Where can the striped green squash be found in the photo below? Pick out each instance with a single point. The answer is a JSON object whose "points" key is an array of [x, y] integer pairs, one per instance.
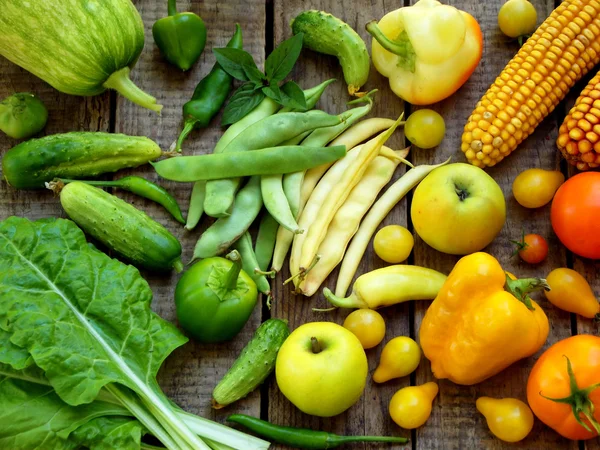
{"points": [[80, 47]]}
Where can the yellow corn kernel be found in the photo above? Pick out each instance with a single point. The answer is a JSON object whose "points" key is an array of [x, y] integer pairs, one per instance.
{"points": [[562, 50]]}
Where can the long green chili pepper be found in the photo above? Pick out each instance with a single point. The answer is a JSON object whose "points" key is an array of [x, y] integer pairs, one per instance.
{"points": [[196, 208], [304, 437], [265, 241], [142, 187], [209, 95], [250, 265]]}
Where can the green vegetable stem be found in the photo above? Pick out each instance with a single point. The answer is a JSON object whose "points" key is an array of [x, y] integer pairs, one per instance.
{"points": [[209, 96], [180, 37], [22, 115], [250, 265], [214, 298], [303, 437]]}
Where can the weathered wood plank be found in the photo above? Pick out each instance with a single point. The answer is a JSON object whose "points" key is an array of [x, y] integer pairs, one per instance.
{"points": [[370, 414], [191, 373], [455, 422]]}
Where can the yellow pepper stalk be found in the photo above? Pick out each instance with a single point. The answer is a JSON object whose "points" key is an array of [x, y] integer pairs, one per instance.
{"points": [[482, 321], [427, 50]]}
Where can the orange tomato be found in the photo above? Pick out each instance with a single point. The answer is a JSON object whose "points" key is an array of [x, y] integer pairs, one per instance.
{"points": [[551, 395], [532, 249], [575, 212]]}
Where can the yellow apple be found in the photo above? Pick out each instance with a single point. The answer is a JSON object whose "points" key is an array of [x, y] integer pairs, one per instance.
{"points": [[458, 209], [321, 368]]}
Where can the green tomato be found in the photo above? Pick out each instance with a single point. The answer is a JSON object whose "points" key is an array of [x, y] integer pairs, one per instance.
{"points": [[517, 18], [425, 128], [22, 115]]}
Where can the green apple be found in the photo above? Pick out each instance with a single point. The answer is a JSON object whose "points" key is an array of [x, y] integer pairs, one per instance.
{"points": [[458, 209], [321, 368]]}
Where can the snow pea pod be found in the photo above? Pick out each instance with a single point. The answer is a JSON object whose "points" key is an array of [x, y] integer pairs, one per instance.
{"points": [[268, 161], [268, 132], [250, 264], [226, 230], [265, 241], [142, 187], [196, 208]]}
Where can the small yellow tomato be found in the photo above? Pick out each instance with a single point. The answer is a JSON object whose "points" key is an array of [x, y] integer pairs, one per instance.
{"points": [[393, 243], [367, 325], [399, 357], [509, 419], [410, 407], [517, 18], [571, 292], [534, 188]]}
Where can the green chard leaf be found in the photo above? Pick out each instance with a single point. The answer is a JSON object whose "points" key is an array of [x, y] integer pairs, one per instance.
{"points": [[281, 61], [244, 100], [237, 63], [109, 433]]}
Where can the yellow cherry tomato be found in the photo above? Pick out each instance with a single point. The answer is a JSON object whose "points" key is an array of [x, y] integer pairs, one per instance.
{"points": [[399, 357], [571, 292], [410, 407], [393, 243], [509, 419], [534, 188], [367, 325], [517, 18]]}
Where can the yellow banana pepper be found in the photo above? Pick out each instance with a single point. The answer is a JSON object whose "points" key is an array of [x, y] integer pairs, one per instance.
{"points": [[427, 50], [475, 328]]}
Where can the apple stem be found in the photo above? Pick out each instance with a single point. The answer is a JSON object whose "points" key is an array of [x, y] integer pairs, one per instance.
{"points": [[315, 345]]}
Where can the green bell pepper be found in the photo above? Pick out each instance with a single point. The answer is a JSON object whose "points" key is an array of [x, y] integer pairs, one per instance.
{"points": [[214, 299], [180, 37], [22, 115]]}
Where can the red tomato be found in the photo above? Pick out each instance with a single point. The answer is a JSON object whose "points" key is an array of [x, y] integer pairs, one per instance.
{"points": [[532, 249], [576, 214]]}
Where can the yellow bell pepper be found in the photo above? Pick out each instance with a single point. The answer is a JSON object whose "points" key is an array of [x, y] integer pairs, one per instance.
{"points": [[475, 328], [427, 50]]}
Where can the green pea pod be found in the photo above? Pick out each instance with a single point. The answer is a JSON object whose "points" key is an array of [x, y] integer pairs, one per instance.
{"points": [[268, 132], [181, 37], [142, 187], [265, 241], [22, 115], [250, 264], [225, 231], [277, 204], [268, 161], [196, 208], [209, 95]]}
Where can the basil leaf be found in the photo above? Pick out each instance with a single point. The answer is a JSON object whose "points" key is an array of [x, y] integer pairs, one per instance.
{"points": [[281, 61], [254, 75], [244, 100], [273, 92], [276, 93], [235, 62], [295, 95]]}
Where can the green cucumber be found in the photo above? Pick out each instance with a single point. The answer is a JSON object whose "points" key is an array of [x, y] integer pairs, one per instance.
{"points": [[325, 33], [74, 155], [121, 227], [254, 364]]}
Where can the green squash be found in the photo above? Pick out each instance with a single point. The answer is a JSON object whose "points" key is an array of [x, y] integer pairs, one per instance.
{"points": [[80, 47]]}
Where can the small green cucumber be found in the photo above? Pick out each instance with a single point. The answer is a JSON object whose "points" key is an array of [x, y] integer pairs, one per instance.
{"points": [[121, 227], [325, 33], [78, 154], [254, 364]]}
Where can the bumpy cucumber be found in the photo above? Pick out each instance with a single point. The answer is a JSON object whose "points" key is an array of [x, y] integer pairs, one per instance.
{"points": [[325, 33], [74, 155], [121, 227], [254, 364]]}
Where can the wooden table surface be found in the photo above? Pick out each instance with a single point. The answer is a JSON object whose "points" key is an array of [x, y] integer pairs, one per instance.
{"points": [[190, 374]]}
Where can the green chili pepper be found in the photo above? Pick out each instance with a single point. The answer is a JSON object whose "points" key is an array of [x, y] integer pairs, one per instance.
{"points": [[180, 37], [304, 437], [226, 230], [22, 115], [196, 208], [268, 161], [142, 187], [214, 298], [265, 241], [250, 265], [209, 95]]}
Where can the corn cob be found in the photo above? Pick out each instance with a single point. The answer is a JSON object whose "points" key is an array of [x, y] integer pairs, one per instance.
{"points": [[579, 135], [562, 50]]}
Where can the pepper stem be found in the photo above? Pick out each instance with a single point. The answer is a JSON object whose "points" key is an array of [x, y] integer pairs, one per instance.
{"points": [[337, 440], [187, 129], [579, 401], [120, 82], [315, 345], [349, 302], [109, 183], [520, 288], [233, 274], [172, 7], [401, 46]]}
